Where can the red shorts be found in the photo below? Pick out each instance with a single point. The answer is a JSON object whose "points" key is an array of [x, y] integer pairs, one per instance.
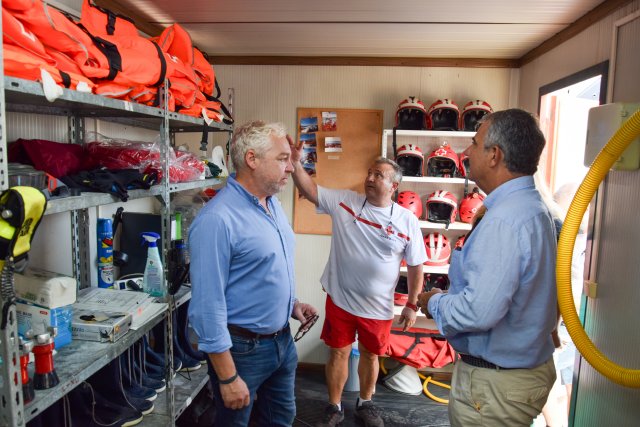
{"points": [[339, 330]]}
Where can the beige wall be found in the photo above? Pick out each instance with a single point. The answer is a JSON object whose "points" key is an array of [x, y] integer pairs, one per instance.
{"points": [[274, 92], [612, 318]]}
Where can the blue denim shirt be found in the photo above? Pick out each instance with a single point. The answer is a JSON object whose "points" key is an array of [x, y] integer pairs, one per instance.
{"points": [[242, 270], [501, 304]]}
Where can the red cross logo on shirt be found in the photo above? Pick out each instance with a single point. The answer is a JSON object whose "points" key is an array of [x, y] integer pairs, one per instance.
{"points": [[389, 229]]}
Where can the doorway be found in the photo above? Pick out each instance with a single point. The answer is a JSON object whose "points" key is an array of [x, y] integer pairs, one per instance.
{"points": [[563, 110]]}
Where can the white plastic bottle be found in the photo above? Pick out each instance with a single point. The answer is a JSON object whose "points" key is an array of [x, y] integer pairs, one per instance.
{"points": [[153, 281]]}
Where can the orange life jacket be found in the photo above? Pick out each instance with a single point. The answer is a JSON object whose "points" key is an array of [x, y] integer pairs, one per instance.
{"points": [[104, 22], [23, 64]]}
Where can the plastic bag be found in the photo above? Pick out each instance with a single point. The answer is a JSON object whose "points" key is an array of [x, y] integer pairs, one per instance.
{"points": [[144, 156]]}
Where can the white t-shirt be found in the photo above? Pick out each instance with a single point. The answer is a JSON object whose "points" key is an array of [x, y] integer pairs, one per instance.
{"points": [[367, 247]]}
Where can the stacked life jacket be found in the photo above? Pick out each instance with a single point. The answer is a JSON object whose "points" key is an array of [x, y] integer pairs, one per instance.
{"points": [[105, 52], [177, 43]]}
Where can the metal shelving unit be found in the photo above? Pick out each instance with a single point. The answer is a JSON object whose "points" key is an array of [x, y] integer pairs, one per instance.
{"points": [[81, 359], [428, 140]]}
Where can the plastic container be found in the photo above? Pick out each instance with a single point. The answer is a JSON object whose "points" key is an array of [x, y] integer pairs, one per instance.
{"points": [[105, 252], [25, 175], [353, 380], [153, 279]]}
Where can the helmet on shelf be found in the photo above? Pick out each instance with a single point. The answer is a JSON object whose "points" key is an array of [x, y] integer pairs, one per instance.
{"points": [[410, 159], [443, 162], [460, 242], [438, 249], [442, 206], [411, 114], [411, 201], [463, 163], [400, 295], [443, 115], [472, 112], [470, 205], [435, 280]]}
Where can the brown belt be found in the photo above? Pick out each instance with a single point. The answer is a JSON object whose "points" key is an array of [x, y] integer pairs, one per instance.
{"points": [[245, 333]]}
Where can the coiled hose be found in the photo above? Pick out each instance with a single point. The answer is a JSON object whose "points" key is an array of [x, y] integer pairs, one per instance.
{"points": [[599, 169], [425, 384]]}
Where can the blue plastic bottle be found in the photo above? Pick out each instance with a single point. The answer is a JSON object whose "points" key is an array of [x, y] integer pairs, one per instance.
{"points": [[153, 280], [104, 233]]}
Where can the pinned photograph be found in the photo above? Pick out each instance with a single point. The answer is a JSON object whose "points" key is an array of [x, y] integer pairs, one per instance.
{"points": [[332, 144], [308, 140], [309, 124], [329, 121], [309, 159]]}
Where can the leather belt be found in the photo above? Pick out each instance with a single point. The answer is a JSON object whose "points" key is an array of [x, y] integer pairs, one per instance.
{"points": [[245, 333], [480, 363]]}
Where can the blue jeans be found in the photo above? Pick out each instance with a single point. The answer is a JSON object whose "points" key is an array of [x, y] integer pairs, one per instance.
{"points": [[268, 367]]}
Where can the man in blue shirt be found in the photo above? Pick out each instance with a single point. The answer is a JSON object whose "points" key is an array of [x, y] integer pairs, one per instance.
{"points": [[243, 287], [500, 309]]}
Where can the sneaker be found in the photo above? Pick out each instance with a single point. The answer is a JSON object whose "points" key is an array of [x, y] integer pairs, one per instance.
{"points": [[369, 414], [332, 416]]}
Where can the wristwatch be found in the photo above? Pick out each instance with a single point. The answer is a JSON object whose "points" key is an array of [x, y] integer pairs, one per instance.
{"points": [[411, 306]]}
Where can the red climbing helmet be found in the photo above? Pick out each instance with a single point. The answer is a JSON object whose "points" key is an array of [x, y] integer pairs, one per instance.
{"points": [[438, 249], [472, 112], [411, 114], [411, 201], [443, 115]]}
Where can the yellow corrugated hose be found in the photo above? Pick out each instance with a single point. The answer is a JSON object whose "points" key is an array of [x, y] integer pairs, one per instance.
{"points": [[599, 169]]}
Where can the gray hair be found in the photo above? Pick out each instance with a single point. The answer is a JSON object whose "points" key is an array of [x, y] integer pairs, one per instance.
{"points": [[396, 178], [255, 135], [518, 135]]}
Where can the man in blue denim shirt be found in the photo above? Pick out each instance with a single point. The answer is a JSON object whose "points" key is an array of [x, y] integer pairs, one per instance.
{"points": [[243, 287], [501, 306]]}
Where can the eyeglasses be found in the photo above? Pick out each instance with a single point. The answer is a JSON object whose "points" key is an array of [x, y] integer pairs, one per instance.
{"points": [[305, 327]]}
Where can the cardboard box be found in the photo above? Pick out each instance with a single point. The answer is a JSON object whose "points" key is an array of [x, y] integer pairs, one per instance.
{"points": [[102, 326], [37, 319], [113, 300], [45, 288]]}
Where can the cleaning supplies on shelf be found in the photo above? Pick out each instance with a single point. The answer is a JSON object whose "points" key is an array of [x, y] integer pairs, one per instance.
{"points": [[105, 253], [153, 280]]}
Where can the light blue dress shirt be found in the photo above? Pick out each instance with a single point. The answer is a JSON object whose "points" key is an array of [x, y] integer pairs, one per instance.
{"points": [[501, 304], [242, 270]]}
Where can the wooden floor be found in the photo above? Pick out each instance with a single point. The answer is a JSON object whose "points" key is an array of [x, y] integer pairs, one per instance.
{"points": [[398, 410]]}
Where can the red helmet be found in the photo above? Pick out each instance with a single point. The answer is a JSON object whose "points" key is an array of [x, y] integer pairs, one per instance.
{"points": [[411, 114], [443, 115], [410, 159], [411, 201], [472, 112], [470, 205], [442, 206], [463, 170], [435, 280], [400, 296], [443, 162], [438, 249], [460, 242]]}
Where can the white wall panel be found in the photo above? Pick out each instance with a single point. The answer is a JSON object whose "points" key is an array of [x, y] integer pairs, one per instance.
{"points": [[36, 126], [588, 48], [612, 317], [273, 93]]}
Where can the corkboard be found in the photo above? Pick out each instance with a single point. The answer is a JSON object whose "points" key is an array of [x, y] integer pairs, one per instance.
{"points": [[360, 132]]}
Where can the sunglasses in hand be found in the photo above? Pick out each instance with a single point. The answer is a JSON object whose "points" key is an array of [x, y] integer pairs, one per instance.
{"points": [[306, 326]]}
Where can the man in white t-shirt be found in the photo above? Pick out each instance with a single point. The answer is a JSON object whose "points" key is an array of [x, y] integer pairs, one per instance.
{"points": [[371, 236]]}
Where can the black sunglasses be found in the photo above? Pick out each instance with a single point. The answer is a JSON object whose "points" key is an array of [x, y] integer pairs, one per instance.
{"points": [[305, 327]]}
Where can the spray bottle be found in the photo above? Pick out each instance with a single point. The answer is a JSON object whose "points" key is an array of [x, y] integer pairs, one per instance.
{"points": [[153, 281]]}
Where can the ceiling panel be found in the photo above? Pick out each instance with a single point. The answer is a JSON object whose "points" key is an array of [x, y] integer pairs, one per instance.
{"points": [[501, 29]]}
